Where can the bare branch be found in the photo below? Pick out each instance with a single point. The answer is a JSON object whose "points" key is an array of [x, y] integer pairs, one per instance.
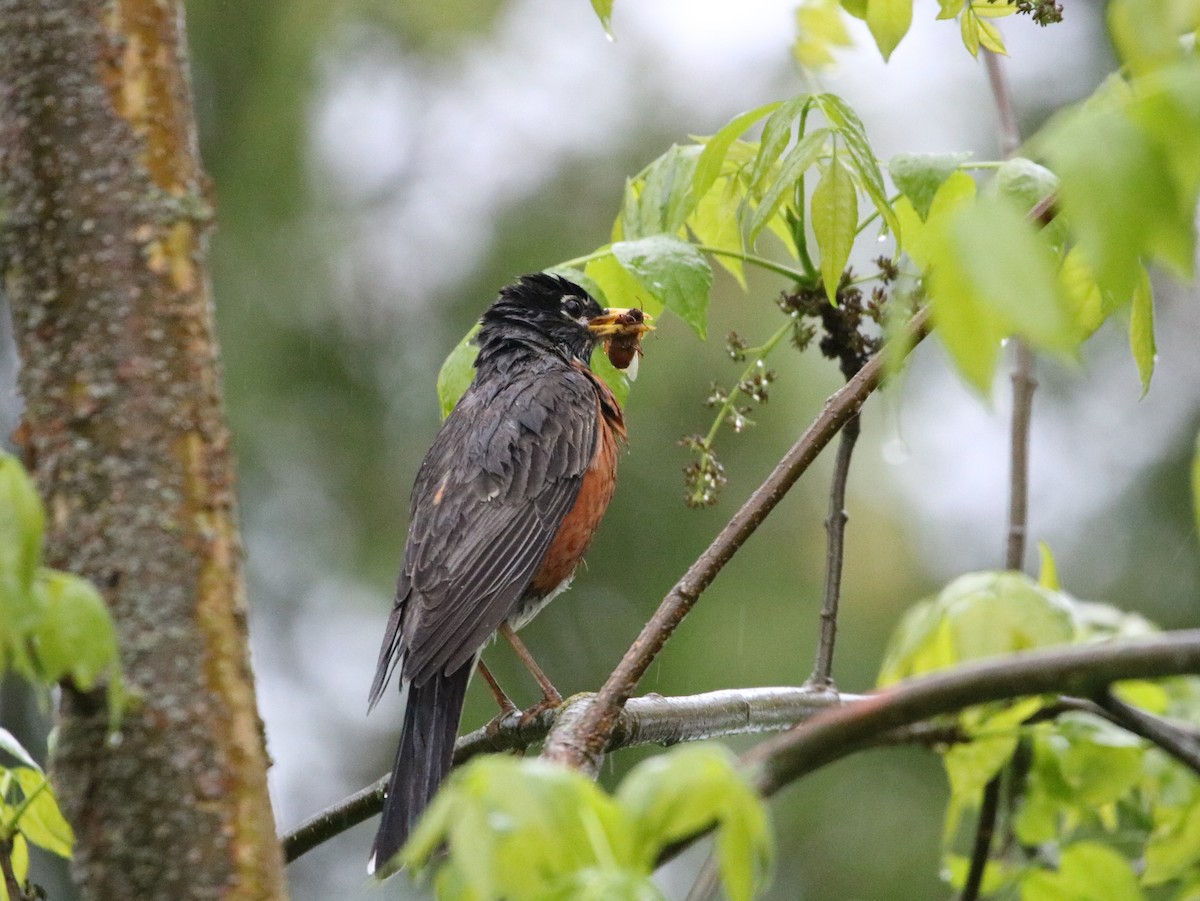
{"points": [[581, 742], [649, 720], [1082, 670], [835, 527]]}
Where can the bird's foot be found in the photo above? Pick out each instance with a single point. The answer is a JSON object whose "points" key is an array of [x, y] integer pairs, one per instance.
{"points": [[551, 701]]}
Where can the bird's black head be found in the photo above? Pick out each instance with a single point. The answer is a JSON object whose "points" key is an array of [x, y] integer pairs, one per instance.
{"points": [[541, 312]]}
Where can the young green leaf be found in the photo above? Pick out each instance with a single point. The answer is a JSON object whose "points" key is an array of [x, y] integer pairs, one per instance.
{"points": [[797, 161], [776, 135], [708, 167], [21, 525], [969, 25], [1048, 574], [819, 28], [919, 175], [674, 272], [1025, 182], [12, 747], [862, 160], [1141, 330], [889, 21], [978, 615], [41, 822], [675, 795], [603, 9], [664, 197], [834, 222], [1085, 870], [715, 224], [457, 371], [618, 287], [1196, 485], [76, 638], [1116, 192], [1173, 850]]}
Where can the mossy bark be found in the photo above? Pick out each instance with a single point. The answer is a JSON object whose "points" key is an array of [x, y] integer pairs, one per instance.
{"points": [[103, 216]]}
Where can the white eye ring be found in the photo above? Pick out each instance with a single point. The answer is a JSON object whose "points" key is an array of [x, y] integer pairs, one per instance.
{"points": [[572, 308]]}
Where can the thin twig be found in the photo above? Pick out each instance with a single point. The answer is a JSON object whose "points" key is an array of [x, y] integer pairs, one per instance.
{"points": [[1023, 384], [835, 527], [985, 829], [13, 888], [582, 744], [1179, 743]]}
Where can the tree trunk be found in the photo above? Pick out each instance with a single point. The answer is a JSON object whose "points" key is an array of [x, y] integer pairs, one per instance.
{"points": [[103, 213]]}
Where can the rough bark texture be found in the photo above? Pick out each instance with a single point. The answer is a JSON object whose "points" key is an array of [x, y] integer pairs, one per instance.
{"points": [[102, 238]]}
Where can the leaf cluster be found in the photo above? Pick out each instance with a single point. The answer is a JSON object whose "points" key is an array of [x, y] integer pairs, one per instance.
{"points": [[529, 829], [1095, 811], [54, 627]]}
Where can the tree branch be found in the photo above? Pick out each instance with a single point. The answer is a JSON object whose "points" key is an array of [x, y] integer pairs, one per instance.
{"points": [[1081, 670], [580, 742], [649, 720], [835, 527]]}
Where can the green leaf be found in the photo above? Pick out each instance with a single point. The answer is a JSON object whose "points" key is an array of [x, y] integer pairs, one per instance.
{"points": [[1141, 330], [862, 160], [819, 28], [457, 371], [618, 287], [994, 275], [923, 234], [776, 135], [797, 161], [663, 197], [978, 615], [519, 828], [22, 523], [76, 638], [1100, 762], [1026, 183], [603, 9], [856, 8], [708, 167], [991, 38], [1085, 302], [1087, 871], [889, 21], [41, 822], [674, 272], [1117, 194], [10, 745], [1048, 576], [834, 222], [969, 25], [920, 175], [1174, 846], [714, 222], [675, 795], [1196, 484]]}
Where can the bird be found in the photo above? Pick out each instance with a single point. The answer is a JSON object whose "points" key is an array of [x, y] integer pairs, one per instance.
{"points": [[503, 508]]}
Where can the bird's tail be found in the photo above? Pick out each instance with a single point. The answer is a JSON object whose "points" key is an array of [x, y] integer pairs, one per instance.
{"points": [[431, 714]]}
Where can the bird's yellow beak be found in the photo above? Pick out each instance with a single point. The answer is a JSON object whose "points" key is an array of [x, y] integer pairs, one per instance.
{"points": [[616, 321]]}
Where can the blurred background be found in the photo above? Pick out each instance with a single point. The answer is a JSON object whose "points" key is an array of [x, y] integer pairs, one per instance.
{"points": [[382, 168]]}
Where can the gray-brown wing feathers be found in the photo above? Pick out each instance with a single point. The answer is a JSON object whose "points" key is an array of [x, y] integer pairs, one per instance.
{"points": [[490, 495]]}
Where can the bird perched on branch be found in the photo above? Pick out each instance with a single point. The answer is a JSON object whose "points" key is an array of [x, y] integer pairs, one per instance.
{"points": [[503, 508]]}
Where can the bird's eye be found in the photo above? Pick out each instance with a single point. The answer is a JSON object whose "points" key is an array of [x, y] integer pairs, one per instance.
{"points": [[573, 307]]}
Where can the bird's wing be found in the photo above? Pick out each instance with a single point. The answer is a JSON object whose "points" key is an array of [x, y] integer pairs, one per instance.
{"points": [[488, 500]]}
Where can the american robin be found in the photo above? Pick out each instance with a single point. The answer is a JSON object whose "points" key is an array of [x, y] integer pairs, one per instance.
{"points": [[503, 508]]}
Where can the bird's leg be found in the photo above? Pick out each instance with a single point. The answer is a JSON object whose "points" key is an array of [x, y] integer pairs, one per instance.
{"points": [[550, 696], [503, 701]]}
